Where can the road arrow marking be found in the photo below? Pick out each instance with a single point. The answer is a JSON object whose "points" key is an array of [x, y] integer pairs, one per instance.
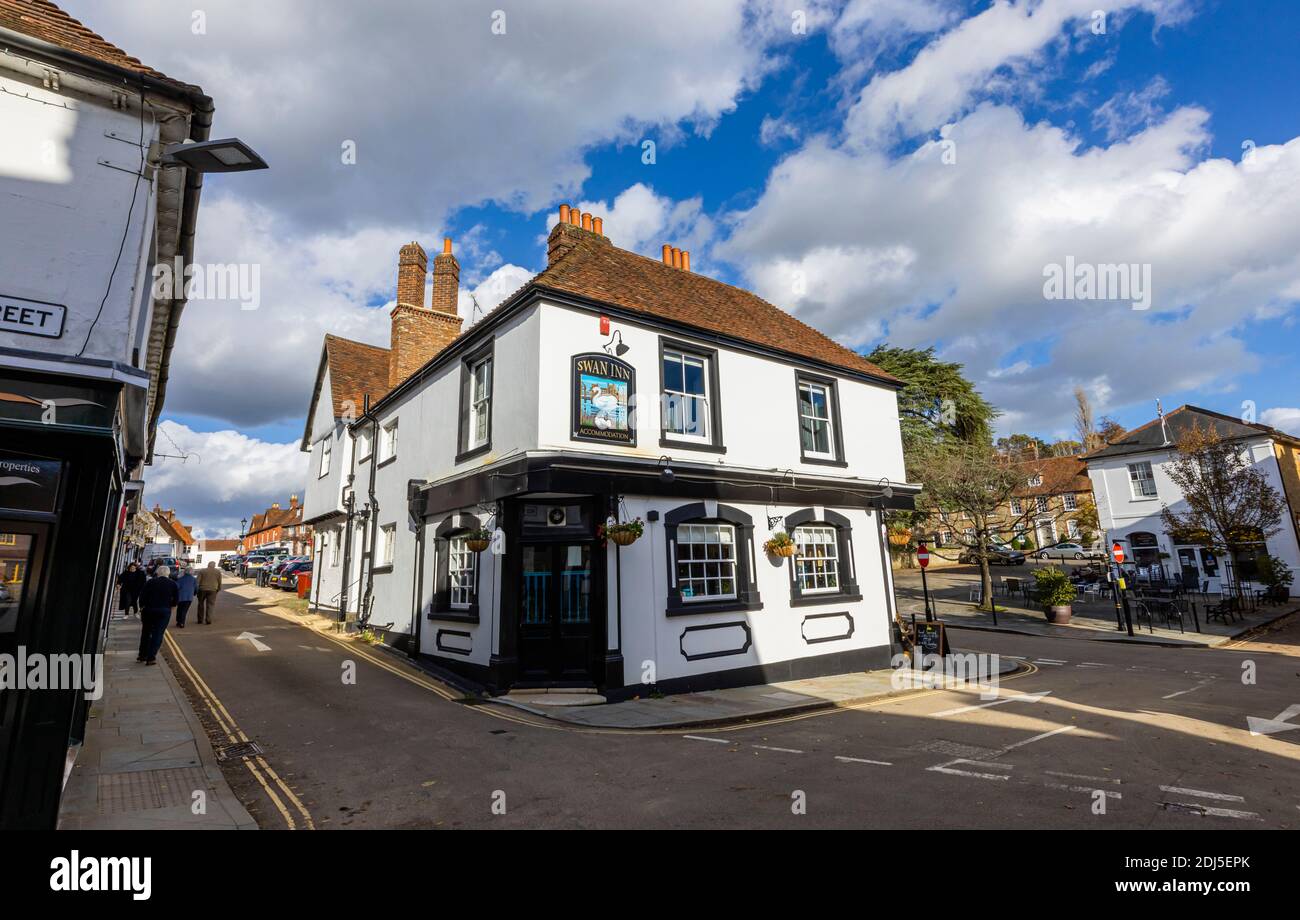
{"points": [[253, 639], [1273, 726]]}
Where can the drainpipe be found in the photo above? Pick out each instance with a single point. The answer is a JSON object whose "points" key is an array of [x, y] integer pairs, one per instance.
{"points": [[363, 609], [412, 495], [350, 507]]}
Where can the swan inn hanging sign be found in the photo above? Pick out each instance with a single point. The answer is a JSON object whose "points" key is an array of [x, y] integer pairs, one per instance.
{"points": [[604, 397]]}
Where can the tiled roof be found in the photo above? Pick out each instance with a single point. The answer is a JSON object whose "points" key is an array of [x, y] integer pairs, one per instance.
{"points": [[1150, 435], [1060, 474], [218, 546], [595, 269], [275, 517], [356, 370], [45, 21]]}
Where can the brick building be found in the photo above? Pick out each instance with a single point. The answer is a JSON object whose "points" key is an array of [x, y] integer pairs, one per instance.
{"points": [[280, 527]]}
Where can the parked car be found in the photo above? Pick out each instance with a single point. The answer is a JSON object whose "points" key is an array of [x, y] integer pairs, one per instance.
{"points": [[275, 566], [998, 555], [287, 577], [1067, 550], [248, 568], [231, 563]]}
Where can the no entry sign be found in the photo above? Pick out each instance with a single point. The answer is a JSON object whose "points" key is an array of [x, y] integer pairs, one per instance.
{"points": [[1118, 552], [922, 555]]}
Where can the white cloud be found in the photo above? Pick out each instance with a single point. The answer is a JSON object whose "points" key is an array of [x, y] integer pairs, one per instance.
{"points": [[1123, 113], [1283, 418], [921, 252], [946, 76], [227, 476], [641, 221]]}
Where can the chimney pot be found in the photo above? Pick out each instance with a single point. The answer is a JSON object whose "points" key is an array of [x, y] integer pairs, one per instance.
{"points": [[586, 221], [564, 213], [598, 226], [668, 254], [446, 245], [677, 257], [575, 217], [686, 261]]}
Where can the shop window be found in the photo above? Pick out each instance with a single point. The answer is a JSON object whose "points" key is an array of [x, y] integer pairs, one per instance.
{"points": [[456, 570], [710, 559]]}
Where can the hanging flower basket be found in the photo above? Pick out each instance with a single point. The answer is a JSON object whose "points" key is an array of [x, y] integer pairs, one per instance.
{"points": [[781, 544], [625, 533], [900, 537], [478, 540]]}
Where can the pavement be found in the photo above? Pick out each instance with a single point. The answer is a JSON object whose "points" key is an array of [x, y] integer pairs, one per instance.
{"points": [[146, 762], [950, 591], [1085, 736]]}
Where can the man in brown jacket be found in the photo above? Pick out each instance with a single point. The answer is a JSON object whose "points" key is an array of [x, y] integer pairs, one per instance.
{"points": [[209, 585]]}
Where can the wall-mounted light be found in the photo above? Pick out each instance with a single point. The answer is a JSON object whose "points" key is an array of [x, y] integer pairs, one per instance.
{"points": [[227, 155], [666, 474], [618, 350]]}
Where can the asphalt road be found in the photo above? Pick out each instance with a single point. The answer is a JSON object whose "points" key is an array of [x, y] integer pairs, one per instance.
{"points": [[1097, 735]]}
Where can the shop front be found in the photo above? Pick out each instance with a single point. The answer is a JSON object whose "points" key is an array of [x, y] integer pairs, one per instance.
{"points": [[60, 495]]}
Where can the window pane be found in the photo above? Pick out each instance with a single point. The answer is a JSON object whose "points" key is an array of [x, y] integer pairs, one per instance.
{"points": [[672, 372], [706, 564], [693, 374]]}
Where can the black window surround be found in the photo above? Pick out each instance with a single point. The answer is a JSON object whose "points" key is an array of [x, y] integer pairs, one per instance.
{"points": [[746, 589], [463, 450], [846, 567], [837, 428], [452, 526], [710, 355]]}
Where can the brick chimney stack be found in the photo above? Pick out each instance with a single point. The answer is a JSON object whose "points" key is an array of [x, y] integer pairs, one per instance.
{"points": [[574, 226], [417, 333]]}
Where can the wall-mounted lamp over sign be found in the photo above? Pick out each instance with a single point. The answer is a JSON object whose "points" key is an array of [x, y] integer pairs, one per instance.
{"points": [[618, 350]]}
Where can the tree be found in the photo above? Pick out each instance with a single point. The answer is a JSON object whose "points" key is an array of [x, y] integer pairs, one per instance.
{"points": [[1023, 447], [1066, 449], [1109, 430], [937, 402], [973, 480], [1084, 425], [1230, 502]]}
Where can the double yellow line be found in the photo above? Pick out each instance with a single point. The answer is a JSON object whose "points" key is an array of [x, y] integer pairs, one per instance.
{"points": [[257, 764]]}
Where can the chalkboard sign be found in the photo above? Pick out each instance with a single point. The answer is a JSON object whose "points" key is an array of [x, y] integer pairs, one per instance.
{"points": [[931, 639]]}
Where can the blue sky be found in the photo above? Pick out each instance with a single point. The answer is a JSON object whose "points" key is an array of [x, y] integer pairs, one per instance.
{"points": [[779, 152]]}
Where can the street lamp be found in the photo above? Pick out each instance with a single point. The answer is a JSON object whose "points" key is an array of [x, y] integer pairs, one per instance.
{"points": [[227, 155]]}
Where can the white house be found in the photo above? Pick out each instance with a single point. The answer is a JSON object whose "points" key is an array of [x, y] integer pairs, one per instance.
{"points": [[611, 387], [1131, 484], [214, 551], [86, 209]]}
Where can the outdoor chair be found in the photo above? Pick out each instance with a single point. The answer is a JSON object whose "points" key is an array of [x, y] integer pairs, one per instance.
{"points": [[1225, 610]]}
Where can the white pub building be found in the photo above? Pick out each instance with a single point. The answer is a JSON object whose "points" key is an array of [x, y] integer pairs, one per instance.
{"points": [[611, 388]]}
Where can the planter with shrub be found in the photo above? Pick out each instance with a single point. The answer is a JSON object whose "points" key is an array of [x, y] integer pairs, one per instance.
{"points": [[1055, 593]]}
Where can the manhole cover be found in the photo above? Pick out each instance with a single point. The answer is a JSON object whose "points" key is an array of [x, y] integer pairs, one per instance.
{"points": [[953, 749], [238, 751], [141, 790]]}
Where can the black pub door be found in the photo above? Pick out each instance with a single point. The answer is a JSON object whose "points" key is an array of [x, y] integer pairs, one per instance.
{"points": [[560, 601]]}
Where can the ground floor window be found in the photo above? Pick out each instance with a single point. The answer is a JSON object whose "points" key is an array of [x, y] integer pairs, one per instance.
{"points": [[461, 565], [816, 559], [706, 561]]}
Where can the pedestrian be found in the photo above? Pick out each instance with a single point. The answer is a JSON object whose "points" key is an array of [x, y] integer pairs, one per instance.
{"points": [[129, 585], [157, 599], [186, 585], [209, 585]]}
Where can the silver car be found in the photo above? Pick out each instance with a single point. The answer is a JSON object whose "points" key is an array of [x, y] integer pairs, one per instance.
{"points": [[1067, 550]]}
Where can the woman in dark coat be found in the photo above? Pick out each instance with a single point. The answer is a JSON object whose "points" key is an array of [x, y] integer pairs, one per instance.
{"points": [[129, 585]]}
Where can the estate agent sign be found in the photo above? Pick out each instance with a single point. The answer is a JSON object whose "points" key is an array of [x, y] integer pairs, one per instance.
{"points": [[604, 395]]}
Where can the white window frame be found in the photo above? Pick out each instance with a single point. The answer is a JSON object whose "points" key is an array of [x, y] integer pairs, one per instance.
{"points": [[1035, 480], [388, 441], [1072, 529], [327, 448], [365, 444], [680, 398], [1071, 501], [1136, 480], [480, 402], [829, 393], [825, 549], [335, 546], [1017, 507], [387, 544], [462, 569], [1041, 504], [700, 534]]}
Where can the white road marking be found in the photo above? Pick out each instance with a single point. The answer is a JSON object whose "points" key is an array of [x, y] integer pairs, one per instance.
{"points": [[1273, 726], [1188, 690], [702, 738], [252, 638], [1055, 731], [764, 747], [1222, 797], [1095, 779], [879, 763], [947, 768], [1086, 789], [1216, 812], [1055, 662], [1021, 698], [1093, 664]]}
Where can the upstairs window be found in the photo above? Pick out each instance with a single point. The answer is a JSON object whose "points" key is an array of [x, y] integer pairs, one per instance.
{"points": [[325, 449], [387, 542], [820, 439], [476, 389], [365, 445], [1041, 503], [388, 442], [1035, 480], [690, 413], [1017, 507], [1141, 480], [1070, 501]]}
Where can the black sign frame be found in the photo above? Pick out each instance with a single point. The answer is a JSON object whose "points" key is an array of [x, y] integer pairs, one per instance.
{"points": [[605, 366]]}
